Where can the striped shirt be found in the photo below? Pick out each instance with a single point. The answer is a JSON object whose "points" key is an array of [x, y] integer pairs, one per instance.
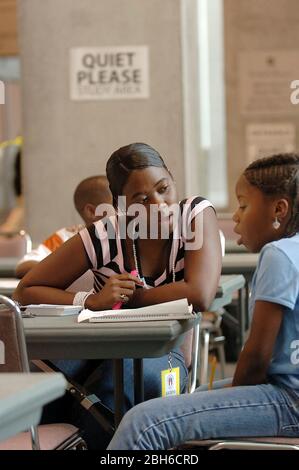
{"points": [[107, 255]]}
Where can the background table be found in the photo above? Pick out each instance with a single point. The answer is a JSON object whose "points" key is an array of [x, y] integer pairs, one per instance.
{"points": [[22, 397], [239, 263], [245, 264], [228, 285], [231, 246], [8, 266], [8, 285]]}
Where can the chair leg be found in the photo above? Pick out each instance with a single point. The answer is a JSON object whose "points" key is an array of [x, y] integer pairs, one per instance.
{"points": [[34, 438], [101, 413], [221, 355], [219, 345], [75, 442], [204, 357], [195, 359]]}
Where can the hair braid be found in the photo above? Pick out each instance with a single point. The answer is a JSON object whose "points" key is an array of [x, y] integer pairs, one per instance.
{"points": [[278, 175]]}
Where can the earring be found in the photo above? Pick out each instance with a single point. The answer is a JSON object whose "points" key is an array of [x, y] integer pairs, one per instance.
{"points": [[276, 224]]}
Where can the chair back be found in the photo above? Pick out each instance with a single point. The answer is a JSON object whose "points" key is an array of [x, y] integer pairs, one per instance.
{"points": [[222, 242], [13, 351], [14, 358], [190, 346], [14, 244], [8, 161]]}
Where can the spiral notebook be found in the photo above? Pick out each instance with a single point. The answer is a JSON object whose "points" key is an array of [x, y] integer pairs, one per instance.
{"points": [[174, 310]]}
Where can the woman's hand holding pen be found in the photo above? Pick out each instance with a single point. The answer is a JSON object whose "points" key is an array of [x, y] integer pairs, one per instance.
{"points": [[118, 288]]}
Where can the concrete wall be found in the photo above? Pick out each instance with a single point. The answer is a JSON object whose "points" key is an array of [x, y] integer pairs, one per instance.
{"points": [[66, 140]]}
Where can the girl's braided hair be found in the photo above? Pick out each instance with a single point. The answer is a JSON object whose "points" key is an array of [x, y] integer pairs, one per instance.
{"points": [[278, 175]]}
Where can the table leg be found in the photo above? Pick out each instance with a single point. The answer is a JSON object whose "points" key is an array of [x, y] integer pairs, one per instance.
{"points": [[138, 381], [118, 371]]}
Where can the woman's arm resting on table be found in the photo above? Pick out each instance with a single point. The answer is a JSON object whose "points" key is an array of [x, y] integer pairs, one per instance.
{"points": [[24, 268], [47, 281], [202, 271], [255, 357]]}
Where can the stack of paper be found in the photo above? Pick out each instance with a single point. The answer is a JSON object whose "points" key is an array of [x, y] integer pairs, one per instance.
{"points": [[50, 310], [175, 310]]}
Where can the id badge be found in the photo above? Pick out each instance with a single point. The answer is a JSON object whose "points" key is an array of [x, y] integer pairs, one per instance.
{"points": [[170, 382]]}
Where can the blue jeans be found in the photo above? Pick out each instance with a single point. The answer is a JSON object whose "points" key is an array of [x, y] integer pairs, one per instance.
{"points": [[100, 382], [164, 423]]}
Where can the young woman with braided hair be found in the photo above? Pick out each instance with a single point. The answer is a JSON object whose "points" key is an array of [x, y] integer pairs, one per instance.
{"points": [[263, 397]]}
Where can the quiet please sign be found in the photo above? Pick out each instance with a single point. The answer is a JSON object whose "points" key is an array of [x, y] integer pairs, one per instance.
{"points": [[105, 73]]}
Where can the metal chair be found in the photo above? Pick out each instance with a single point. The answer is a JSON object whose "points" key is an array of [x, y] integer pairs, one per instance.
{"points": [[15, 359], [211, 337], [14, 244], [246, 443], [190, 350]]}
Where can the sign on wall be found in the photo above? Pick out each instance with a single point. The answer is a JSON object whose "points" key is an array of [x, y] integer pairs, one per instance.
{"points": [[263, 140], [264, 82], [109, 73]]}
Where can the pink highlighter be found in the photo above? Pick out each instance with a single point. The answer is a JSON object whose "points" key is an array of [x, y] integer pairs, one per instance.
{"points": [[118, 305]]}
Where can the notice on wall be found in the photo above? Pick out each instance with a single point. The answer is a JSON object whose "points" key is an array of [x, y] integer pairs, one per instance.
{"points": [[264, 82], [263, 140], [109, 73]]}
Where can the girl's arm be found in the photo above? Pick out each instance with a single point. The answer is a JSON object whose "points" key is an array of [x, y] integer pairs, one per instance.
{"points": [[255, 357], [202, 271]]}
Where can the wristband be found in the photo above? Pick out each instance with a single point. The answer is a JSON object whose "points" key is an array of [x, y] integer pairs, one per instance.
{"points": [[81, 297]]}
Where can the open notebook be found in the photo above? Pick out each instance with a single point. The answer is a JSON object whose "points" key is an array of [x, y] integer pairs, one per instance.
{"points": [[175, 310]]}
